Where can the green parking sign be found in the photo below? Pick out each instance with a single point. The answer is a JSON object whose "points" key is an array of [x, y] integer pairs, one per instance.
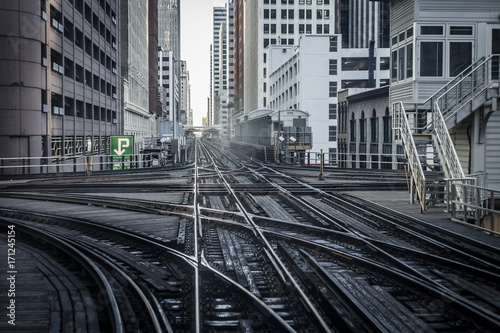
{"points": [[121, 147]]}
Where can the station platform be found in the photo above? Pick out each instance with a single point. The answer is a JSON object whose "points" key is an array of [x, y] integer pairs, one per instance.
{"points": [[400, 201]]}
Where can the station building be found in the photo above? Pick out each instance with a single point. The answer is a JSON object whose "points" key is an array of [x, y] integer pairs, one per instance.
{"points": [[444, 89]]}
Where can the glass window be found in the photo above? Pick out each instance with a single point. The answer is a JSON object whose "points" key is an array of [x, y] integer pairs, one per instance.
{"points": [[460, 57], [332, 133], [332, 111], [333, 43], [401, 66], [384, 63], [333, 89], [333, 67], [463, 31], [431, 30], [394, 65], [355, 64], [374, 128], [409, 61], [387, 127], [352, 129], [431, 59], [354, 84]]}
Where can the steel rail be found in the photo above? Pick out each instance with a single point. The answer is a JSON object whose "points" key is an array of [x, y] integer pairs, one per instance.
{"points": [[196, 225], [280, 267], [86, 262]]}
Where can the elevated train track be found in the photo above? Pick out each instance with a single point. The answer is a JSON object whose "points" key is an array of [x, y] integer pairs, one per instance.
{"points": [[227, 243]]}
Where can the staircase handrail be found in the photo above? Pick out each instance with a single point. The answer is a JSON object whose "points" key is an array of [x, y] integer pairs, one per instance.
{"points": [[445, 146], [416, 171], [452, 83], [483, 80]]}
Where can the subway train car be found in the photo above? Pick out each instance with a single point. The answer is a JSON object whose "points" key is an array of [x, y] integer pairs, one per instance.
{"points": [[281, 136]]}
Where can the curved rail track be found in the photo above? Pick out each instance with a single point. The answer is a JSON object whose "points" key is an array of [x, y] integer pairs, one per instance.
{"points": [[253, 248]]}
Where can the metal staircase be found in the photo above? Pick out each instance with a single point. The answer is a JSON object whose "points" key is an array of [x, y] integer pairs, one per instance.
{"points": [[423, 129]]}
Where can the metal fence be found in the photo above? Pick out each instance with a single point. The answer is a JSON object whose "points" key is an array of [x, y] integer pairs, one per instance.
{"points": [[468, 200], [89, 163]]}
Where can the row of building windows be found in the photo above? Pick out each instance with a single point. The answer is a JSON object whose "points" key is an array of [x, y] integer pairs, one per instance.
{"points": [[291, 2], [78, 145], [76, 108], [74, 34], [457, 48], [374, 128], [304, 14], [290, 29]]}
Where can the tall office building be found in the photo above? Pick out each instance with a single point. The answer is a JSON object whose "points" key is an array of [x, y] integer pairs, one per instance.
{"points": [[60, 86], [216, 82], [271, 22], [135, 71], [154, 102], [169, 26], [360, 22], [166, 82], [169, 33], [238, 53]]}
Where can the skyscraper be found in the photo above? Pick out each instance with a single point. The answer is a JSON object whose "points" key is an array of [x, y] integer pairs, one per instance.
{"points": [[271, 22], [135, 70], [216, 82], [169, 33]]}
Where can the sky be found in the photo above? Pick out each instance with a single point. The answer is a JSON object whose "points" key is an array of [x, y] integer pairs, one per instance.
{"points": [[196, 37]]}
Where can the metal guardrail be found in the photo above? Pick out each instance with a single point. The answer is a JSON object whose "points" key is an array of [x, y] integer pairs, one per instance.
{"points": [[445, 103], [472, 83], [475, 202], [404, 133], [84, 163]]}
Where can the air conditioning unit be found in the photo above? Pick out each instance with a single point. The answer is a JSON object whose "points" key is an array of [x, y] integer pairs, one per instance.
{"points": [[44, 15], [45, 108], [114, 121]]}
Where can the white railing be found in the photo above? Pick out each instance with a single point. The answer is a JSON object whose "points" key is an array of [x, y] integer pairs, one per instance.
{"points": [[404, 133], [473, 82], [445, 146], [442, 105]]}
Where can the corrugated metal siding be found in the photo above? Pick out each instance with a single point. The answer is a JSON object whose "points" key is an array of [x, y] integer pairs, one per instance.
{"points": [[459, 10], [402, 15], [493, 150], [401, 92], [426, 89], [461, 143]]}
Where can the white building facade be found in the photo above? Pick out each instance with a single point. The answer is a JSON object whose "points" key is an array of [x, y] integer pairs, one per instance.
{"points": [[308, 77], [138, 121], [272, 22]]}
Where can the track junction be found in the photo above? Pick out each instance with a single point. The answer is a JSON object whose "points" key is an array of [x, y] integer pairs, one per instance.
{"points": [[229, 244]]}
